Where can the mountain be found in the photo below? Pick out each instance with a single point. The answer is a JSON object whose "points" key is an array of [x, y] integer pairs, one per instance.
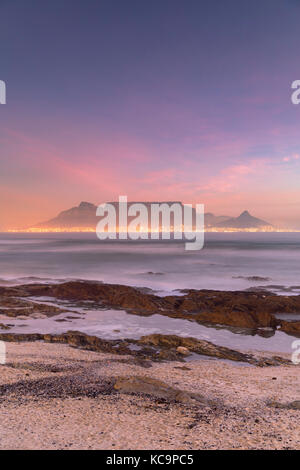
{"points": [[244, 221], [84, 217], [212, 220]]}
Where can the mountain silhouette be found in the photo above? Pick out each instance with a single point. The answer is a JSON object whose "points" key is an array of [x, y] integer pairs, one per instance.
{"points": [[244, 221], [84, 216]]}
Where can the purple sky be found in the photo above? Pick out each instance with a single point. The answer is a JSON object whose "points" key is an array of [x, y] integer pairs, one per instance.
{"points": [[155, 100]]}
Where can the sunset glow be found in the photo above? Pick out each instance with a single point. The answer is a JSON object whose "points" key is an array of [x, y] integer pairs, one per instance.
{"points": [[208, 122]]}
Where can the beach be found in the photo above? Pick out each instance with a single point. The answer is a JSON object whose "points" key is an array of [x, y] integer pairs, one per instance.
{"points": [[135, 347], [54, 396]]}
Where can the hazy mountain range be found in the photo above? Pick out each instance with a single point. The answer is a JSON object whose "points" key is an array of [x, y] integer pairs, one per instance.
{"points": [[84, 216]]}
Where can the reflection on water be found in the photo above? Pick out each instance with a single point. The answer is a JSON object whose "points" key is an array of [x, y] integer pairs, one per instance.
{"points": [[116, 324]]}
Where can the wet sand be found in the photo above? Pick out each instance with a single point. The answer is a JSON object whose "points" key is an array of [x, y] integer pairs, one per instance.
{"points": [[53, 396]]}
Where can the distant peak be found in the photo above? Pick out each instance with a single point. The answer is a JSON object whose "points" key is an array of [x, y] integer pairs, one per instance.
{"points": [[245, 213]]}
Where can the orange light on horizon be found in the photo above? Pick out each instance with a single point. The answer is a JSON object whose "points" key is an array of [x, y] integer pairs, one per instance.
{"points": [[207, 229]]}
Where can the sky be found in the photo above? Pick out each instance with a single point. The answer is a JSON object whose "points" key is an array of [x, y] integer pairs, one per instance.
{"points": [[156, 100]]}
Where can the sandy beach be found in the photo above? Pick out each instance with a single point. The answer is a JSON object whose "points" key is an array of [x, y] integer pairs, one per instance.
{"points": [[53, 396]]}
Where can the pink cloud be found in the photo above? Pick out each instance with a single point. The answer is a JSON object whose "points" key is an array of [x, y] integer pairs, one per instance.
{"points": [[294, 156], [232, 177]]}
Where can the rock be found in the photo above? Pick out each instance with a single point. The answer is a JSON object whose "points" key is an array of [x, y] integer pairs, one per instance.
{"points": [[18, 307], [240, 309], [108, 295], [253, 278], [146, 363], [238, 318], [154, 388], [294, 405], [182, 368], [19, 337], [168, 355], [184, 351], [205, 348], [197, 346], [154, 347], [290, 327]]}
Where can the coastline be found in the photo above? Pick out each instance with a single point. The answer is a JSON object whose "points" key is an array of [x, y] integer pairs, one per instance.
{"points": [[160, 391], [57, 397]]}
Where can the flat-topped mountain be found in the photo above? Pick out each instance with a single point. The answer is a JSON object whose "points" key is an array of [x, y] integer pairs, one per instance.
{"points": [[84, 216]]}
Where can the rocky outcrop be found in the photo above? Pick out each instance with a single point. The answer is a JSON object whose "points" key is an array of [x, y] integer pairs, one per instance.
{"points": [[201, 347], [238, 318], [205, 348], [154, 347], [107, 295], [20, 338], [15, 307], [248, 310]]}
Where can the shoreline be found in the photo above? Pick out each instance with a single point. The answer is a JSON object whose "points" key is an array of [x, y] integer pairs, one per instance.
{"points": [[251, 310], [53, 396], [161, 391], [161, 325]]}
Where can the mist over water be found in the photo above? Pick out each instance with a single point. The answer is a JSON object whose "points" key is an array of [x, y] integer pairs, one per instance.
{"points": [[229, 261]]}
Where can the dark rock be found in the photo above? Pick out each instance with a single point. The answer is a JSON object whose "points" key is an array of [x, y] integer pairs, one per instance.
{"points": [[253, 278], [153, 347], [156, 389], [205, 348], [169, 342], [249, 310], [290, 327]]}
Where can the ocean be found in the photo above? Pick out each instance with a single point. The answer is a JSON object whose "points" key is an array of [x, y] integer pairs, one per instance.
{"points": [[229, 261]]}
